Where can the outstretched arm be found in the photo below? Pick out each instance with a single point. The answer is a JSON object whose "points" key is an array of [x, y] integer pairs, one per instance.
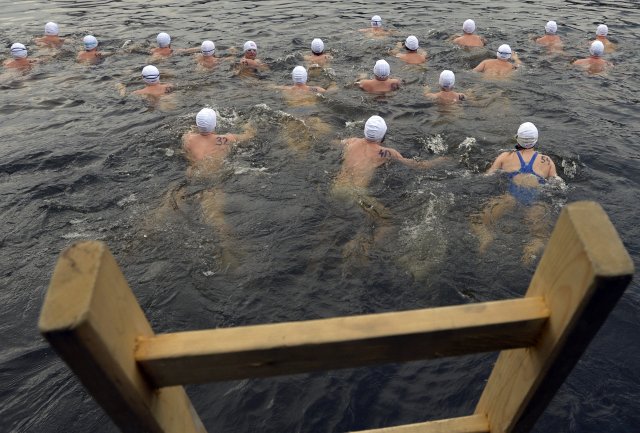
{"points": [[480, 67], [248, 133]]}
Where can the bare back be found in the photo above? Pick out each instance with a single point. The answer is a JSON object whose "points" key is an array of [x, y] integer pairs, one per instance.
{"points": [[212, 148], [509, 162], [446, 96], [469, 40], [380, 86], [317, 59], [156, 90], [550, 41], [593, 65], [361, 157], [412, 57], [92, 56], [495, 68], [50, 41]]}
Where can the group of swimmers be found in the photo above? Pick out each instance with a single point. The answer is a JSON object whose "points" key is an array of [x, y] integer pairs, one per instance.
{"points": [[206, 150]]}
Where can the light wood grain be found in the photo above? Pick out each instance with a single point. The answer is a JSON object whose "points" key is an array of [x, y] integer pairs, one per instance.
{"points": [[581, 276], [92, 319], [289, 348], [467, 424]]}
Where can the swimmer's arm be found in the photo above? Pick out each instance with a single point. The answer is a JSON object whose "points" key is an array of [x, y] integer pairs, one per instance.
{"points": [[480, 67], [497, 164], [516, 59], [186, 50], [248, 133]]}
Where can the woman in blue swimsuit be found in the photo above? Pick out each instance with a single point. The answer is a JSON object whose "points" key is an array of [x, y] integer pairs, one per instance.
{"points": [[527, 170]]}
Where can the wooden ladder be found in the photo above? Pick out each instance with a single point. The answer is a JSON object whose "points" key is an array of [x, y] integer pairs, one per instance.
{"points": [[92, 319]]}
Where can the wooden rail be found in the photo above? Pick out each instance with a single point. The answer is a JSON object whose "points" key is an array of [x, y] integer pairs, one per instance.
{"points": [[93, 321]]}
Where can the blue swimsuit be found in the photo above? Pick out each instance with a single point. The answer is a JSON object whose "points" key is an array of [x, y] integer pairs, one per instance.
{"points": [[525, 195]]}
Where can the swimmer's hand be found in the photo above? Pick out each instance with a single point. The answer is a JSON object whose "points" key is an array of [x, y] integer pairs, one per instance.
{"points": [[122, 89]]}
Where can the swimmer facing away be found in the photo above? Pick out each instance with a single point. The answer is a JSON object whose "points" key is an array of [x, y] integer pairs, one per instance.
{"points": [[446, 95], [468, 39], [153, 87], [594, 64], [91, 55], [601, 35], [381, 83], [207, 58], [51, 37], [318, 56], [499, 67], [360, 159], [527, 170], [413, 55], [206, 152], [550, 40]]}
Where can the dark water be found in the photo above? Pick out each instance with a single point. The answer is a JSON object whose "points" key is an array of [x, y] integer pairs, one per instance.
{"points": [[79, 162]]}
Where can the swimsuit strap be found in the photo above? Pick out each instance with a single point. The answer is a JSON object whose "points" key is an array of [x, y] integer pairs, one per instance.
{"points": [[523, 165], [531, 161]]}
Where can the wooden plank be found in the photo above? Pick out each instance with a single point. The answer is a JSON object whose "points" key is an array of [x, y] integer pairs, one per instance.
{"points": [[92, 319], [467, 424], [581, 276], [290, 348]]}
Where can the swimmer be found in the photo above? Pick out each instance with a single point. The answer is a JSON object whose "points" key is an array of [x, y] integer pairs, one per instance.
{"points": [[601, 35], [376, 30], [207, 58], [446, 95], [90, 54], [206, 152], [594, 64], [164, 46], [500, 67], [527, 170], [249, 61], [468, 39], [318, 57], [550, 39], [20, 60], [50, 38], [413, 55], [381, 84], [153, 88], [360, 159], [207, 146]]}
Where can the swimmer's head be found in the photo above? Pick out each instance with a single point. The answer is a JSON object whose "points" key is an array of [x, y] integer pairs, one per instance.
{"points": [[150, 74], [317, 46], [299, 75], [375, 128], [376, 21], [504, 52], [447, 79], [51, 29], [411, 43], [602, 30], [596, 48], [382, 69], [90, 42], [527, 135], [250, 45], [469, 26], [206, 120], [18, 51], [163, 39], [208, 48], [551, 27]]}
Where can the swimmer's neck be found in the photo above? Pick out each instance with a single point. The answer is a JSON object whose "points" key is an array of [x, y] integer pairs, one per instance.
{"points": [[153, 84], [299, 84], [601, 38], [593, 56], [381, 78], [444, 89], [373, 141], [92, 50], [207, 133], [411, 51], [318, 54]]}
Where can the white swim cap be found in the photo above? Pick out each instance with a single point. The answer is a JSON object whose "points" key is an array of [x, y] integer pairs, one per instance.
{"points": [[150, 74], [18, 51], [90, 42], [447, 79], [299, 75], [375, 128], [206, 120], [163, 39], [250, 45], [469, 26], [382, 69], [208, 48], [527, 135], [317, 46], [376, 21], [551, 27], [411, 43], [504, 52], [602, 30], [51, 29], [596, 48]]}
